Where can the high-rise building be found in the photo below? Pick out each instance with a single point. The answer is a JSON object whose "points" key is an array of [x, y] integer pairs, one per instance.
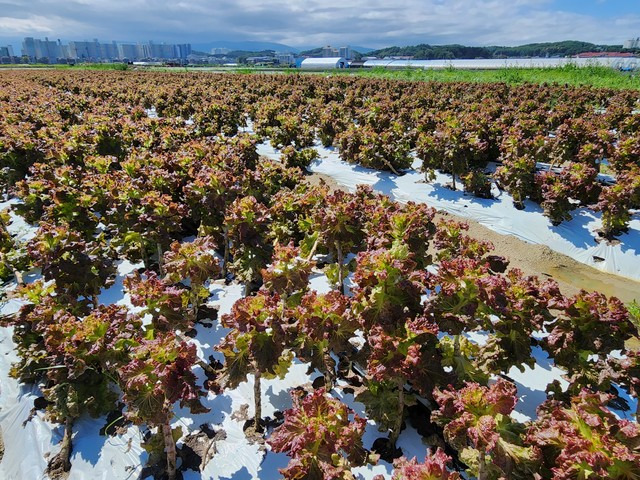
{"points": [[143, 51], [48, 50], [183, 50], [41, 50], [346, 53], [6, 51], [161, 50], [29, 48], [109, 51], [85, 51], [127, 52], [329, 52], [285, 58], [632, 43], [164, 51], [94, 51]]}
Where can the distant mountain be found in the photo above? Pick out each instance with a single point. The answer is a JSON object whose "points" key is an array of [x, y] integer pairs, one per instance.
{"points": [[312, 52], [363, 50], [445, 52], [247, 46], [317, 51]]}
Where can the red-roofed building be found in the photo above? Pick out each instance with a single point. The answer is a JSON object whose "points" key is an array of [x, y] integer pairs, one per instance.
{"points": [[605, 54]]}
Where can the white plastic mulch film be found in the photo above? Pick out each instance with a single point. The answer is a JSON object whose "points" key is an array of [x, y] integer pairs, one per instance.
{"points": [[574, 238]]}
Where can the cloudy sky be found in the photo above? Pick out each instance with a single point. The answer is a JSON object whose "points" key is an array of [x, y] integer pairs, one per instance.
{"points": [[370, 23]]}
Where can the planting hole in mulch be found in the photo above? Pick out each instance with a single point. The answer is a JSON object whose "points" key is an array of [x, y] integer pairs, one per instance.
{"points": [[200, 447], [210, 314], [115, 424], [255, 436], [387, 452]]}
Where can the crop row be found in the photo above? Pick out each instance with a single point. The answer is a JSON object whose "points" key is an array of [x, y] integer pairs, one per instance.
{"points": [[104, 182], [456, 128]]}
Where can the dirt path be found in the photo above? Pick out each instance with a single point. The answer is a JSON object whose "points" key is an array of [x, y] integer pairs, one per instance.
{"points": [[540, 260]]}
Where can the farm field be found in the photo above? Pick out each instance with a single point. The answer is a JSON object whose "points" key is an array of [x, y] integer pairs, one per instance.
{"points": [[185, 296], [593, 76], [583, 76]]}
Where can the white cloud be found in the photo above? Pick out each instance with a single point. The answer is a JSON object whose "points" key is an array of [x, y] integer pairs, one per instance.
{"points": [[33, 24], [374, 23], [43, 25]]}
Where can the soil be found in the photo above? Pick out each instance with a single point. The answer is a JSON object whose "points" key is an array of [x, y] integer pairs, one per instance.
{"points": [[200, 447], [197, 449], [55, 468], [538, 260], [242, 414], [267, 425], [255, 436]]}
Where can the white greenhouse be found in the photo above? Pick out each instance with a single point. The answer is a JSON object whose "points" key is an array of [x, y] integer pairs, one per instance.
{"points": [[324, 63]]}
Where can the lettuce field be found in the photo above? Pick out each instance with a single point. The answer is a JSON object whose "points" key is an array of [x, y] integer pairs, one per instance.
{"points": [[183, 298]]}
